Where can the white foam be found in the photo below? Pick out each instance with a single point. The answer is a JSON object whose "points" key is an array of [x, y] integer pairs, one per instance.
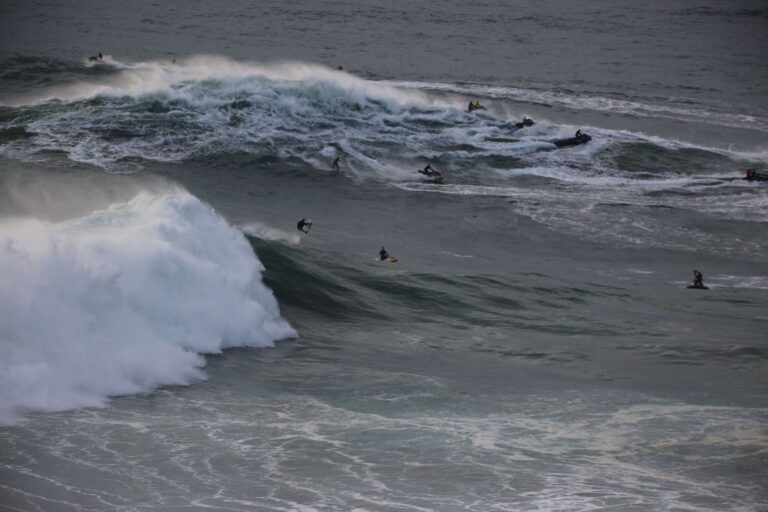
{"points": [[267, 232], [106, 61], [730, 281], [595, 103], [124, 300], [161, 75]]}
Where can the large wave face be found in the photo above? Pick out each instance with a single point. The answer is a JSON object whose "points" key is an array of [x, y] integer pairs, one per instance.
{"points": [[124, 300]]}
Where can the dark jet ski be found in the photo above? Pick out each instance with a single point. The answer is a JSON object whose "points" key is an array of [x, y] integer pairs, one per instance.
{"points": [[753, 175], [522, 124], [580, 138], [429, 172]]}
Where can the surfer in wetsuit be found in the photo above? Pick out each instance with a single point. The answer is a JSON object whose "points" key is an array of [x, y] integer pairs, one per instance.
{"points": [[430, 172], [475, 105], [335, 165], [579, 135], [383, 254], [304, 225], [698, 279]]}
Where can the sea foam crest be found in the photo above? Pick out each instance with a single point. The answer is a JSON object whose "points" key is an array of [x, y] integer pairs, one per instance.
{"points": [[124, 300], [148, 77], [165, 111]]}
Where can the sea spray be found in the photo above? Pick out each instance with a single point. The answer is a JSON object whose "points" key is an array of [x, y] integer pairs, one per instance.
{"points": [[124, 300]]}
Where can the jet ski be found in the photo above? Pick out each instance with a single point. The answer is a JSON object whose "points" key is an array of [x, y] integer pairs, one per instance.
{"points": [[433, 175], [474, 105], [753, 175], [527, 121], [580, 138]]}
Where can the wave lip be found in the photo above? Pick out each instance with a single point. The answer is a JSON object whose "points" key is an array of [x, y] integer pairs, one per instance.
{"points": [[155, 76], [168, 112], [124, 300]]}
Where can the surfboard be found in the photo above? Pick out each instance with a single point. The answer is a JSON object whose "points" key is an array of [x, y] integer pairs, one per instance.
{"points": [[390, 260], [691, 287]]}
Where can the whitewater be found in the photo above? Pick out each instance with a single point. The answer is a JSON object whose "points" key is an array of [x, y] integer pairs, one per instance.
{"points": [[124, 300], [169, 340]]}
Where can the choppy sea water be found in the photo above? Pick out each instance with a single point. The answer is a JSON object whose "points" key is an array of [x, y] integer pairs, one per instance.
{"points": [[170, 341]]}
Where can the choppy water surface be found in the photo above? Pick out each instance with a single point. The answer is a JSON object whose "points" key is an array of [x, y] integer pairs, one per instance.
{"points": [[170, 341]]}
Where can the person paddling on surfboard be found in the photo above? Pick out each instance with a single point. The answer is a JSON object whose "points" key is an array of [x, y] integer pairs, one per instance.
{"points": [[304, 225]]}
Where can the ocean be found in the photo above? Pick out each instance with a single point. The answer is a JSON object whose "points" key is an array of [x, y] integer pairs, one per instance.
{"points": [[170, 341]]}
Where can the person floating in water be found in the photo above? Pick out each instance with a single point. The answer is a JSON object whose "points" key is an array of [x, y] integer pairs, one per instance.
{"points": [[335, 165], [383, 255], [304, 225], [698, 279]]}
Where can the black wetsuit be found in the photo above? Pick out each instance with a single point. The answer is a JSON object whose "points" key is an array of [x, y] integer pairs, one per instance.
{"points": [[383, 254], [430, 172], [303, 224]]}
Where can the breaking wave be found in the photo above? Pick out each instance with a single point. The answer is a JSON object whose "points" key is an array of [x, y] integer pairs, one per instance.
{"points": [[124, 300]]}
